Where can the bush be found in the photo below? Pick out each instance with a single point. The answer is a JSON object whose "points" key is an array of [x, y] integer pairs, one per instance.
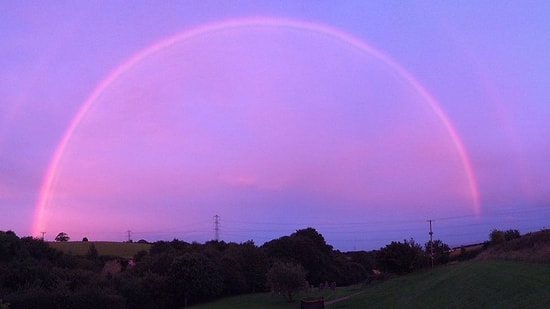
{"points": [[496, 237], [402, 258], [286, 278]]}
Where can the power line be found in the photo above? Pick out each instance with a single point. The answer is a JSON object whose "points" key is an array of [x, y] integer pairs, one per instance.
{"points": [[379, 232]]}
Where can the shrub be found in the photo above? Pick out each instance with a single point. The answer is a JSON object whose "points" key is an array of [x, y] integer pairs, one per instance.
{"points": [[286, 278]]}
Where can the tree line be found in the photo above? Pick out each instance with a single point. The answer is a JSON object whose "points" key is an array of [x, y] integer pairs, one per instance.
{"points": [[175, 274]]}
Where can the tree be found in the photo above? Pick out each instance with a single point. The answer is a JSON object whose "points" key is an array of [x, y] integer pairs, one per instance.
{"points": [[308, 248], [194, 277], [402, 257], [497, 236], [440, 249], [10, 245], [85, 239], [511, 234], [252, 262], [62, 237], [286, 278]]}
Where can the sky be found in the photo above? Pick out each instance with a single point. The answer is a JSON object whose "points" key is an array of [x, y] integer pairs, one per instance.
{"points": [[361, 119]]}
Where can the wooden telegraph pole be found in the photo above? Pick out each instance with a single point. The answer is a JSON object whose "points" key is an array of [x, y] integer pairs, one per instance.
{"points": [[431, 243]]}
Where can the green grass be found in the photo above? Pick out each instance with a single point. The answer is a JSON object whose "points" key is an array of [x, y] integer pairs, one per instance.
{"points": [[274, 301], [111, 248], [479, 284]]}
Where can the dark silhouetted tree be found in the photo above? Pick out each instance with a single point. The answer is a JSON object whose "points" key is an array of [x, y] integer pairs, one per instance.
{"points": [[441, 251], [402, 257], [194, 277], [511, 234], [286, 278], [496, 237], [308, 248], [62, 237]]}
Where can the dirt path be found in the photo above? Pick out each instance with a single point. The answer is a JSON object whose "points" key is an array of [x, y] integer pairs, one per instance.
{"points": [[330, 302]]}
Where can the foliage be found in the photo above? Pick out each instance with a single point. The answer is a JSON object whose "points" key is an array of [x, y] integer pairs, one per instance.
{"points": [[10, 246], [496, 237], [253, 262], [33, 275], [533, 247], [308, 248], [193, 276], [286, 278], [175, 274], [441, 251], [62, 237], [511, 234], [402, 257]]}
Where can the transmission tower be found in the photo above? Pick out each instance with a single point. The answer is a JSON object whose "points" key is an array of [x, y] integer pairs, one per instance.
{"points": [[129, 236], [217, 227]]}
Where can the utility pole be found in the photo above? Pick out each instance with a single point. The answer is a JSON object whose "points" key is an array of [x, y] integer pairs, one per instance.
{"points": [[43, 233], [431, 243], [129, 236], [217, 227]]}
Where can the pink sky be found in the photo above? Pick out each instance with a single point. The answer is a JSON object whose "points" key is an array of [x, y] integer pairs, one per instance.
{"points": [[358, 124]]}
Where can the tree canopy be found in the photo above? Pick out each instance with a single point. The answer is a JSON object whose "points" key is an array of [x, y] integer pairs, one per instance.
{"points": [[62, 237], [402, 257], [286, 278]]}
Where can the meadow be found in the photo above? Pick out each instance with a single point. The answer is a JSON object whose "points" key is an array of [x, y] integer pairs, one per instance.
{"points": [[108, 248], [275, 301], [477, 284]]}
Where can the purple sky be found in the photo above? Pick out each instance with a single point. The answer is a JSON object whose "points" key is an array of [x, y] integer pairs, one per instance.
{"points": [[361, 119]]}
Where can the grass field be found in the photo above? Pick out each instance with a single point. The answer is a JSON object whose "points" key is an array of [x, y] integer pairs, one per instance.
{"points": [[479, 284], [111, 248], [274, 301], [482, 284]]}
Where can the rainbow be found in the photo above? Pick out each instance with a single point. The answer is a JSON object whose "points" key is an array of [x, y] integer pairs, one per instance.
{"points": [[50, 176]]}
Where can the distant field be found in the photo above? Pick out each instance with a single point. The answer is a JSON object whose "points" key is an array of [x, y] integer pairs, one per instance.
{"points": [[457, 252], [121, 249], [479, 284]]}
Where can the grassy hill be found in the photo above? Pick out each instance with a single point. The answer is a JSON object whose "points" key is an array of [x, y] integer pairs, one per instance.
{"points": [[478, 284], [532, 247], [110, 248]]}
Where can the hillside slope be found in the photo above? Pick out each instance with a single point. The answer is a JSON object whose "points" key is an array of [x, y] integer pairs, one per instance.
{"points": [[531, 247], [478, 284]]}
